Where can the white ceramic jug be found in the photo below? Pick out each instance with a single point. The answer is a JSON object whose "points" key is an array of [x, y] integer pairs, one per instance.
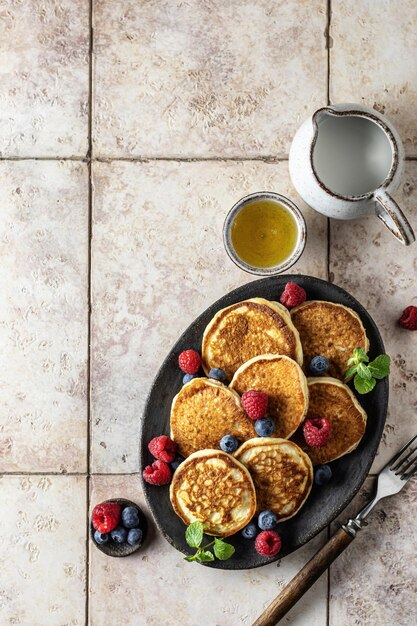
{"points": [[345, 162]]}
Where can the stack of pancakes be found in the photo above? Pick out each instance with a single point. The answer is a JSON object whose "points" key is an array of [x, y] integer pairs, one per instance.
{"points": [[262, 346]]}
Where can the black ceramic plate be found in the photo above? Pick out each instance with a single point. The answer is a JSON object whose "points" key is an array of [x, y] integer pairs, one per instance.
{"points": [[349, 472]]}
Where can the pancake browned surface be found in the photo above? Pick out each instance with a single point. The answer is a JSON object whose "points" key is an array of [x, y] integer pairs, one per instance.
{"points": [[203, 412], [247, 329], [284, 382], [331, 330], [215, 489], [282, 473], [333, 400]]}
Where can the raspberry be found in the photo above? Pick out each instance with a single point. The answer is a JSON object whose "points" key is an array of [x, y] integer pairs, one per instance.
{"points": [[162, 448], [268, 543], [255, 403], [106, 516], [293, 295], [157, 474], [189, 361], [408, 319], [317, 431]]}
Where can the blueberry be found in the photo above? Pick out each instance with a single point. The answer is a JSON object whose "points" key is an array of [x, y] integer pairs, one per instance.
{"points": [[134, 536], [250, 531], [130, 517], [264, 427], [187, 377], [217, 374], [267, 520], [319, 365], [101, 538], [119, 534], [176, 462], [322, 475], [229, 443]]}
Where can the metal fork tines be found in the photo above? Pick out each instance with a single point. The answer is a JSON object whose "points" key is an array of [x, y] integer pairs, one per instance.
{"points": [[398, 466]]}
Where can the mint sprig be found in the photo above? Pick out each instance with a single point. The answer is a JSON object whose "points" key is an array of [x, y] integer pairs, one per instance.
{"points": [[194, 538], [365, 376]]}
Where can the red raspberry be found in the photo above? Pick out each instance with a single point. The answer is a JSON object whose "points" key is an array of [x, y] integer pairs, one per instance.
{"points": [[293, 295], [268, 543], [189, 361], [158, 473], [317, 431], [162, 448], [105, 517], [255, 403], [408, 319]]}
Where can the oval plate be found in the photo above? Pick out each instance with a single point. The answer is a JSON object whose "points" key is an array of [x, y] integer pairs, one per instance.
{"points": [[349, 472]]}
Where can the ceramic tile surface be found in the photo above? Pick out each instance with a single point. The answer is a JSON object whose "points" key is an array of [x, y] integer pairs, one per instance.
{"points": [[378, 271], [159, 261], [372, 60], [43, 316], [42, 550], [44, 77], [156, 583], [375, 580], [206, 78]]}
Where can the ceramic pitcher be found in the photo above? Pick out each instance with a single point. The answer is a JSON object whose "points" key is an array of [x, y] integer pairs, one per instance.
{"points": [[345, 162]]}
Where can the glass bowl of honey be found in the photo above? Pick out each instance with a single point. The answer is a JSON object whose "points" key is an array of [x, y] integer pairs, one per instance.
{"points": [[264, 233]]}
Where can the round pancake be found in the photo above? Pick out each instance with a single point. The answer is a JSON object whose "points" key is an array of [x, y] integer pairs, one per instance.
{"points": [[284, 382], [282, 474], [332, 399], [203, 412], [331, 330], [247, 329], [214, 488]]}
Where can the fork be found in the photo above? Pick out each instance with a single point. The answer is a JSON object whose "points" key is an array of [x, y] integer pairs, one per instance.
{"points": [[390, 480]]}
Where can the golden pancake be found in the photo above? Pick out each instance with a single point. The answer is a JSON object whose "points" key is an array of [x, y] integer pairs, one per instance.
{"points": [[212, 487], [333, 400], [284, 382], [203, 412], [282, 474], [330, 330], [247, 329]]}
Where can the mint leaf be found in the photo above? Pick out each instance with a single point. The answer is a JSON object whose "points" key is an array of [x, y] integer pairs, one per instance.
{"points": [[360, 355], [194, 534], [363, 385], [364, 372], [380, 367], [191, 557], [204, 556], [223, 550], [351, 371]]}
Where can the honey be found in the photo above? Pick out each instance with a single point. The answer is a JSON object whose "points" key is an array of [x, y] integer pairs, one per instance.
{"points": [[264, 233]]}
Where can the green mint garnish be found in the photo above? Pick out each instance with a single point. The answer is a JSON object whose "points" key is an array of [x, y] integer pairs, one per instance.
{"points": [[194, 537], [365, 376]]}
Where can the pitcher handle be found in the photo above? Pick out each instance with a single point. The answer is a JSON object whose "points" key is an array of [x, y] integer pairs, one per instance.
{"points": [[390, 214]]}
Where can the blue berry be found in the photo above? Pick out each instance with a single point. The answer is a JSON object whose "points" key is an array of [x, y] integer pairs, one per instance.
{"points": [[267, 520], [130, 517], [264, 427], [217, 374], [187, 377], [134, 536], [322, 475], [101, 538], [119, 534], [229, 443], [250, 531], [319, 365], [176, 462]]}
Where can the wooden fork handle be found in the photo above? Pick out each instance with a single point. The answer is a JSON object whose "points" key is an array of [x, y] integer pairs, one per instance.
{"points": [[304, 579]]}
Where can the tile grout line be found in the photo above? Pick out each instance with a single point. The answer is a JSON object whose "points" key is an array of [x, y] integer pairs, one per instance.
{"points": [[169, 159]]}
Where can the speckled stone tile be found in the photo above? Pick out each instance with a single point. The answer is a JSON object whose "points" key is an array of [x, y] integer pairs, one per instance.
{"points": [[42, 550], [375, 580], [366, 260], [374, 47], [206, 78], [43, 316], [156, 583], [157, 262], [44, 77]]}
